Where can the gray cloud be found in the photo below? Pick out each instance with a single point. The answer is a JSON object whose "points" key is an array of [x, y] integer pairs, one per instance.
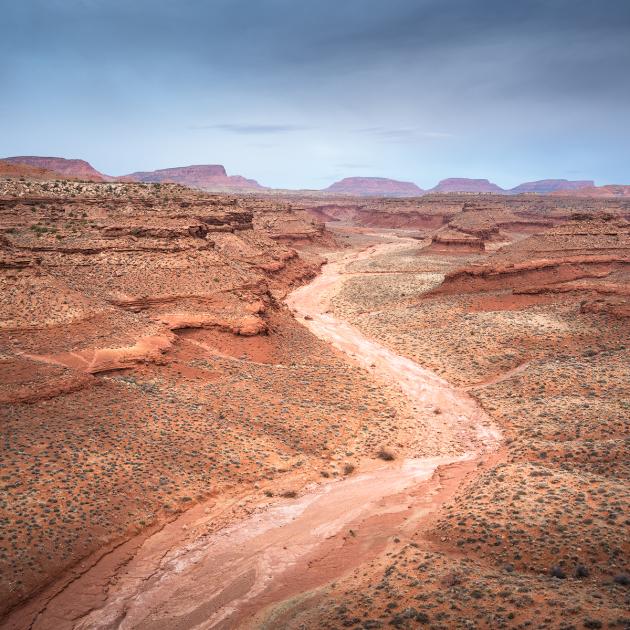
{"points": [[416, 89]]}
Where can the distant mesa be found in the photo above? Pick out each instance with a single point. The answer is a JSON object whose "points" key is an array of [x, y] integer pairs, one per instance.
{"points": [[375, 186], [179, 174], [552, 185], [211, 177], [77, 169], [462, 184], [214, 178], [18, 169], [380, 186], [610, 190]]}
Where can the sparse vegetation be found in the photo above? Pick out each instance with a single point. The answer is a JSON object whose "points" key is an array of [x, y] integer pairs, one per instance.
{"points": [[385, 454], [88, 459]]}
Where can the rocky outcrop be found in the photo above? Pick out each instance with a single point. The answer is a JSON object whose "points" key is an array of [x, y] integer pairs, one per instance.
{"points": [[211, 177], [375, 186], [463, 184], [454, 241], [121, 272], [583, 286], [519, 277], [608, 298], [618, 307], [427, 212], [544, 186], [577, 257], [200, 230], [495, 219], [96, 360], [292, 226], [228, 220], [25, 380]]}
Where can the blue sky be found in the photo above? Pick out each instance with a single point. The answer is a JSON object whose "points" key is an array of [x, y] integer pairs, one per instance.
{"points": [[297, 93]]}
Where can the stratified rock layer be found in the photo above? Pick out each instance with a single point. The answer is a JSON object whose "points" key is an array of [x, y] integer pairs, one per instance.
{"points": [[555, 261]]}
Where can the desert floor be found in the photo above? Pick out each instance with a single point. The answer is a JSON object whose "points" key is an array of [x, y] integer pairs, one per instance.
{"points": [[454, 523]]}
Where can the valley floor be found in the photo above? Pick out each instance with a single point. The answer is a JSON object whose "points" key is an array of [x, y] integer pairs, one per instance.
{"points": [[497, 501]]}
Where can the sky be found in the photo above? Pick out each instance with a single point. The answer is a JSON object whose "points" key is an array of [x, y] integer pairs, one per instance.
{"points": [[300, 93]]}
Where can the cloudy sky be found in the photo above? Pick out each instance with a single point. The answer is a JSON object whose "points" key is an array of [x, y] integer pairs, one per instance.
{"points": [[299, 93]]}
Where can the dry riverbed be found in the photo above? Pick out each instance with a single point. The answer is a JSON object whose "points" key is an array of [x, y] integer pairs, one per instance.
{"points": [[189, 574]]}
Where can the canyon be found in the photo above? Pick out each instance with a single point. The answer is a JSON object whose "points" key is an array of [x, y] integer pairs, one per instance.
{"points": [[315, 315], [306, 411]]}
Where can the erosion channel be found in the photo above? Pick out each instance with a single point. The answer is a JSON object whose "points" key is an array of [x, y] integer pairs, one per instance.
{"points": [[250, 573]]}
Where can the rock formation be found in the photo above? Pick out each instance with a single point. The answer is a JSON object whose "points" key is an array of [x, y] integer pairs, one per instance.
{"points": [[78, 169], [210, 177], [19, 169], [462, 184], [582, 257], [509, 213], [611, 190], [374, 187], [544, 186]]}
